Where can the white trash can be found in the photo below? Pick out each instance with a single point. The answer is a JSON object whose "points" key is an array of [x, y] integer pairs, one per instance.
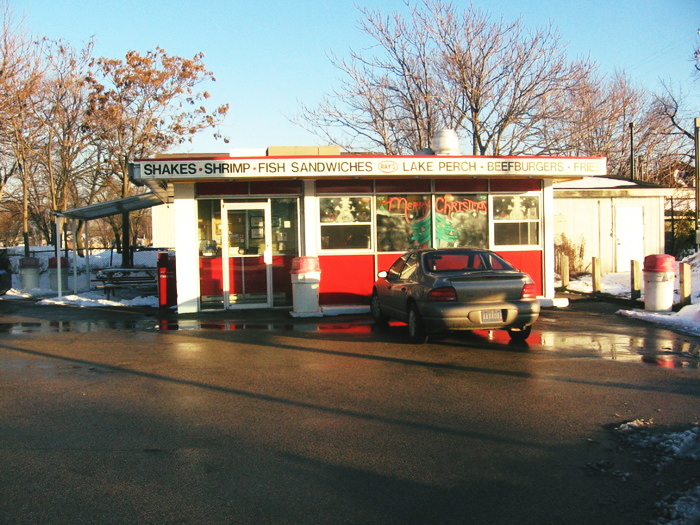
{"points": [[306, 277], [659, 282], [29, 269], [54, 271]]}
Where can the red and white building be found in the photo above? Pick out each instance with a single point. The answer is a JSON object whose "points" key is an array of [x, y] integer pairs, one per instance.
{"points": [[238, 222]]}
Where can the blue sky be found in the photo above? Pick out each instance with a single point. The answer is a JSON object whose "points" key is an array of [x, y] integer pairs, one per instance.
{"points": [[270, 56]]}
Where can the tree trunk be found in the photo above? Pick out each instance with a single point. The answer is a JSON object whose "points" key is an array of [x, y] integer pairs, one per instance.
{"points": [[127, 256]]}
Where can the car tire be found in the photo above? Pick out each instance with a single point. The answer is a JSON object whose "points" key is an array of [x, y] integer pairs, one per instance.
{"points": [[375, 308], [416, 329], [520, 334]]}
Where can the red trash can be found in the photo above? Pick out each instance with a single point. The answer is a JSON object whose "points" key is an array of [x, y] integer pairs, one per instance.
{"points": [[659, 282], [167, 284]]}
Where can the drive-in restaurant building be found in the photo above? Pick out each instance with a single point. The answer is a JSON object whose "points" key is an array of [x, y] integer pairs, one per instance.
{"points": [[241, 222]]}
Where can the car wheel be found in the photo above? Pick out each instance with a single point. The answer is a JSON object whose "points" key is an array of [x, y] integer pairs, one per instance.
{"points": [[520, 334], [375, 308], [416, 329]]}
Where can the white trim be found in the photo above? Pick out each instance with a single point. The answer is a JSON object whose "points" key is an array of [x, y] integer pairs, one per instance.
{"points": [[311, 240], [547, 225], [492, 223], [187, 258]]}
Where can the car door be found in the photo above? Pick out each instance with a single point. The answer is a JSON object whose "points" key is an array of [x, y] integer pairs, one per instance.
{"points": [[385, 286], [401, 287]]}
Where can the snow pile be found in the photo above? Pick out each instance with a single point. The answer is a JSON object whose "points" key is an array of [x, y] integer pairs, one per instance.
{"points": [[680, 507], [92, 299], [617, 284], [666, 447], [78, 290], [686, 321]]}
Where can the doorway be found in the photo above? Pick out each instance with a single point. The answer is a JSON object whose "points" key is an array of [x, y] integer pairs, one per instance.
{"points": [[629, 236], [246, 229]]}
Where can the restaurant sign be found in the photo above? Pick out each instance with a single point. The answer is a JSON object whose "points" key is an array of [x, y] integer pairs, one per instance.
{"points": [[366, 167]]}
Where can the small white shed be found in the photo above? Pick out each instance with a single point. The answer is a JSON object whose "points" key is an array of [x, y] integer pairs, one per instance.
{"points": [[616, 220]]}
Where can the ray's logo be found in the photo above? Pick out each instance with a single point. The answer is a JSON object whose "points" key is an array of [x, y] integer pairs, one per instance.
{"points": [[388, 166]]}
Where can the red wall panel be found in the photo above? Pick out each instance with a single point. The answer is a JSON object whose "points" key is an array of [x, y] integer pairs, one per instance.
{"points": [[385, 260], [530, 262], [346, 279], [349, 278]]}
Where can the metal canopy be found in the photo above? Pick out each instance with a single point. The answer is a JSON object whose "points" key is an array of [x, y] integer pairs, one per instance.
{"points": [[115, 207]]}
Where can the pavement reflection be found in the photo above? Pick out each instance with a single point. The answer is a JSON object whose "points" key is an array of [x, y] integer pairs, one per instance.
{"points": [[556, 334], [652, 349]]}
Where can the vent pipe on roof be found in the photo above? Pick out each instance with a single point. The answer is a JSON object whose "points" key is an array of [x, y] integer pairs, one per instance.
{"points": [[446, 142]]}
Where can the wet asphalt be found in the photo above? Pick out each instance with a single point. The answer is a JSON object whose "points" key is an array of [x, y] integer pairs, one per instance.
{"points": [[135, 415]]}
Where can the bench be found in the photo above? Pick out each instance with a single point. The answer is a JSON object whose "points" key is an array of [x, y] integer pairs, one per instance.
{"points": [[111, 279]]}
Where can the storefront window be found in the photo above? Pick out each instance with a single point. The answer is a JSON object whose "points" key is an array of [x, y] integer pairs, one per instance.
{"points": [[284, 226], [346, 223], [209, 227], [461, 221], [403, 222], [516, 220]]}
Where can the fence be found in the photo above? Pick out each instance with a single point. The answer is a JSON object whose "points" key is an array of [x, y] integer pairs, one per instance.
{"points": [[99, 257]]}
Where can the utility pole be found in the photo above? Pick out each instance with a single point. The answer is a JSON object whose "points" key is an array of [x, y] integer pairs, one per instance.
{"points": [[631, 150]]}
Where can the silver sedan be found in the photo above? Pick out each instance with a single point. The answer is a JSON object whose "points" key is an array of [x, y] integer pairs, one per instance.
{"points": [[439, 290]]}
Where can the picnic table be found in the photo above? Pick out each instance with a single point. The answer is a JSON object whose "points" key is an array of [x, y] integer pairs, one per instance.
{"points": [[110, 279]]}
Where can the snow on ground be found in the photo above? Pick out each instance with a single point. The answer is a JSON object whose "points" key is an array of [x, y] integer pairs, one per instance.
{"points": [[687, 320], [78, 292], [681, 507]]}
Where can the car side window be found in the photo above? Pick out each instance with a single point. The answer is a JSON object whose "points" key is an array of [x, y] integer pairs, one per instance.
{"points": [[409, 269], [394, 272], [495, 263]]}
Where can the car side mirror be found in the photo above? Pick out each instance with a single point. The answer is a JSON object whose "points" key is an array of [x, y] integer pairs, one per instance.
{"points": [[382, 274]]}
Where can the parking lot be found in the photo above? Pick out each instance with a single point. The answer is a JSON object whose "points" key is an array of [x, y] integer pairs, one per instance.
{"points": [[127, 415]]}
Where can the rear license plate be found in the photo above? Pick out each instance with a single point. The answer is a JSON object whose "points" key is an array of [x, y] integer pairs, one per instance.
{"points": [[491, 316]]}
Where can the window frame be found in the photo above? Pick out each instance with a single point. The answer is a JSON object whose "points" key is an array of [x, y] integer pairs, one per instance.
{"points": [[371, 223], [493, 221]]}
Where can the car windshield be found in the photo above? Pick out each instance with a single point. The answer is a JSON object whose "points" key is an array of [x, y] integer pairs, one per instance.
{"points": [[463, 260]]}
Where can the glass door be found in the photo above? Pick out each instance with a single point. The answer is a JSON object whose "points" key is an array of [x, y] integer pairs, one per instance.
{"points": [[247, 254]]}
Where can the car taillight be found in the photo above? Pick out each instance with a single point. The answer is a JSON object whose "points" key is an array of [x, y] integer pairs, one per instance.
{"points": [[529, 291], [446, 293]]}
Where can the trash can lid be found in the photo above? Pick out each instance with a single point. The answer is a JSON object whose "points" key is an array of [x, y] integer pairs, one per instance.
{"points": [[53, 262], [305, 264], [29, 262], [659, 263]]}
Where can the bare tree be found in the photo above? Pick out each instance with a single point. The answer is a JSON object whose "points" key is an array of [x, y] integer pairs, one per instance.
{"points": [[672, 106], [505, 80], [66, 152], [147, 103], [21, 75], [70, 122], [387, 101], [443, 68], [595, 121]]}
